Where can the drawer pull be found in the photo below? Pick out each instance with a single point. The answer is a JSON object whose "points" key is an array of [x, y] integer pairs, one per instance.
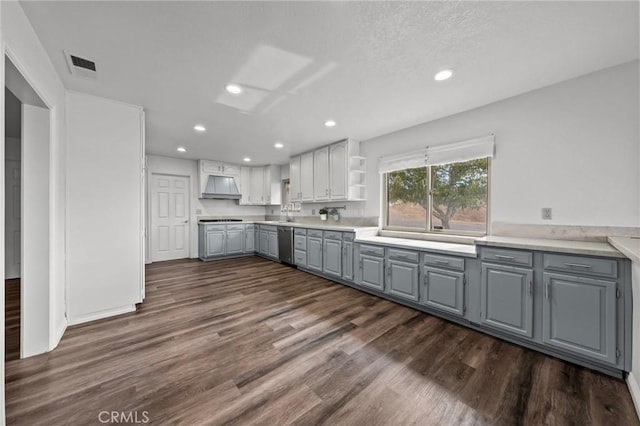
{"points": [[442, 262], [502, 256], [577, 265]]}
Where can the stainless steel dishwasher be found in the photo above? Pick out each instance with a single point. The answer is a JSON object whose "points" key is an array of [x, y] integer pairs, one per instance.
{"points": [[285, 244]]}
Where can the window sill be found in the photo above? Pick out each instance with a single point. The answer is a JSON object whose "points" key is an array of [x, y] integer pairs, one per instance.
{"points": [[457, 239]]}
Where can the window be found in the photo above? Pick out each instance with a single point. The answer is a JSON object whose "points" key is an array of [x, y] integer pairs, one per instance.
{"points": [[448, 198]]}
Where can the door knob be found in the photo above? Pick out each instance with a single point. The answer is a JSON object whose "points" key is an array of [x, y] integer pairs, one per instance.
{"points": [[186, 221]]}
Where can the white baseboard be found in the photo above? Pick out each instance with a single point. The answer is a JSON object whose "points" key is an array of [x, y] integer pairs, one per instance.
{"points": [[102, 314], [634, 389], [62, 327]]}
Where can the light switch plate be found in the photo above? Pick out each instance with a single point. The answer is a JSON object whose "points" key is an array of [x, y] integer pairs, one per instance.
{"points": [[546, 213], [313, 212], [198, 211]]}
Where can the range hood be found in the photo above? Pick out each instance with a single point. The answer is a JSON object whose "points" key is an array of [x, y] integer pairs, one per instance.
{"points": [[221, 188]]}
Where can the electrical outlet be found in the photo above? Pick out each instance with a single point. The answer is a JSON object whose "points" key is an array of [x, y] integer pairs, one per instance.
{"points": [[272, 211], [546, 213], [313, 212], [198, 211]]}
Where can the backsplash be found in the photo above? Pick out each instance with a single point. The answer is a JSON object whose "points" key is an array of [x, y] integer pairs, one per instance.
{"points": [[562, 232], [344, 220]]}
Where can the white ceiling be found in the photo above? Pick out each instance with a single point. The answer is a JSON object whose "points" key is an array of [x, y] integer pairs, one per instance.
{"points": [[368, 65]]}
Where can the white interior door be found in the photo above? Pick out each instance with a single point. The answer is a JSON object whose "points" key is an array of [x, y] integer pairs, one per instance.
{"points": [[170, 236], [12, 219]]}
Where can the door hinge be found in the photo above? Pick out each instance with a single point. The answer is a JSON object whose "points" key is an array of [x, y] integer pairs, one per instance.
{"points": [[617, 353], [464, 310], [617, 293]]}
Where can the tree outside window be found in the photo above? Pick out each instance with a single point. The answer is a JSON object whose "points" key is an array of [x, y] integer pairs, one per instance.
{"points": [[448, 198]]}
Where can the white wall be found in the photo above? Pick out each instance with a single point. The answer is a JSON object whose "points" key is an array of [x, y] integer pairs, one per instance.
{"points": [[634, 376], [24, 48], [572, 146], [181, 167], [104, 207]]}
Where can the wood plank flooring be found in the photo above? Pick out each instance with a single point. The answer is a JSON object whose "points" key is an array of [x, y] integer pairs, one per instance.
{"points": [[249, 341], [12, 319]]}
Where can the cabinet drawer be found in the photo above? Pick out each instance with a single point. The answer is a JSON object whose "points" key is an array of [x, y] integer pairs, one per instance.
{"points": [[300, 231], [235, 227], [268, 228], [581, 265], [314, 233], [444, 261], [404, 255], [300, 257], [251, 227], [372, 250], [300, 242], [208, 228], [513, 257], [333, 235], [348, 236]]}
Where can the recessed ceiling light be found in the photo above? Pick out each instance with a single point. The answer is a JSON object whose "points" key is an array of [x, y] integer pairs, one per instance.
{"points": [[247, 159], [443, 75], [233, 89], [199, 128], [181, 149], [278, 145], [330, 123]]}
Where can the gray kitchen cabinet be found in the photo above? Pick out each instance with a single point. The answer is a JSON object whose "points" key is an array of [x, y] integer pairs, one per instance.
{"points": [[235, 239], [579, 315], [272, 244], [300, 247], [249, 239], [263, 247], [332, 253], [443, 290], [215, 242], [371, 271], [314, 253], [332, 257], [402, 279], [347, 260], [507, 299]]}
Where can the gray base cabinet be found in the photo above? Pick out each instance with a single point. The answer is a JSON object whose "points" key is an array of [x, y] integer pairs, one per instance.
{"points": [[235, 240], [263, 248], [371, 272], [249, 239], [507, 299], [215, 242], [314, 253], [272, 244], [579, 315], [402, 279], [332, 257], [443, 290], [347, 261]]}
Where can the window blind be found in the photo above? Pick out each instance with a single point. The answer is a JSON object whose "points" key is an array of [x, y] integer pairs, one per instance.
{"points": [[466, 150]]}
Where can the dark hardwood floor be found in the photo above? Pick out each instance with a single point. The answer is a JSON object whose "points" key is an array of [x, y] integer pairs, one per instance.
{"points": [[248, 341], [12, 319]]}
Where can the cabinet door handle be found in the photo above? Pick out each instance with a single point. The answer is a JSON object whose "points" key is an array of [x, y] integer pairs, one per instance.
{"points": [[577, 265], [442, 262], [530, 287], [547, 289], [502, 256], [360, 264]]}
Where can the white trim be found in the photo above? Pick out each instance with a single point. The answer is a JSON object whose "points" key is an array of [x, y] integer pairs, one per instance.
{"points": [[102, 314], [57, 336], [74, 92], [634, 390]]}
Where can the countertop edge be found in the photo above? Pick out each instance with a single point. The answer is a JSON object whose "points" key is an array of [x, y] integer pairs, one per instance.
{"points": [[400, 244], [626, 246], [551, 248]]}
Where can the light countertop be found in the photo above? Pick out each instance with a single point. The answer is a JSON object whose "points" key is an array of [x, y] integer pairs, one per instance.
{"points": [[564, 246], [629, 246], [466, 250], [359, 230]]}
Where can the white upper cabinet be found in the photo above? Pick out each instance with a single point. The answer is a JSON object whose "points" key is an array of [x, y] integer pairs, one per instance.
{"points": [[338, 174], [321, 174], [260, 185], [334, 172], [306, 177], [216, 168], [245, 185], [294, 179]]}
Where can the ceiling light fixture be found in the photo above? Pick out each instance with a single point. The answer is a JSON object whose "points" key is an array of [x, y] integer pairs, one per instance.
{"points": [[278, 145], [443, 75], [199, 128], [247, 159], [234, 89], [181, 149], [330, 123]]}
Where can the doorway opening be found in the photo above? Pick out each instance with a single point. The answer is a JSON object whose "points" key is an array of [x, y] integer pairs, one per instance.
{"points": [[26, 185]]}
